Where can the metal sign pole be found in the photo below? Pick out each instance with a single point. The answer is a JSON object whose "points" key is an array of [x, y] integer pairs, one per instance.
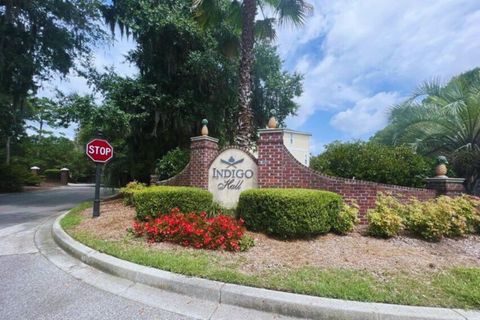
{"points": [[96, 202]]}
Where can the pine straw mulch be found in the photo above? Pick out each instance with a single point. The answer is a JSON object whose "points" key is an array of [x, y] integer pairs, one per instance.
{"points": [[353, 251]]}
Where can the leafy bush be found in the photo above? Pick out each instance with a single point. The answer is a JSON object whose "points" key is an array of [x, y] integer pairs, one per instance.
{"points": [[52, 174], [443, 217], [373, 162], [431, 220], [11, 178], [30, 179], [346, 219], [157, 200], [128, 191], [172, 163], [193, 230], [288, 213], [385, 220], [469, 207]]}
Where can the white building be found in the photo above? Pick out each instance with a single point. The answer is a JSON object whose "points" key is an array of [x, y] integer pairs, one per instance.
{"points": [[298, 143]]}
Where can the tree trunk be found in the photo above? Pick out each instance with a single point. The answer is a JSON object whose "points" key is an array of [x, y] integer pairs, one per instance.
{"points": [[40, 136], [244, 121], [7, 148]]}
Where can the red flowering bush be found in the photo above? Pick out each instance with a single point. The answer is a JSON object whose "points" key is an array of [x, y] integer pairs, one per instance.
{"points": [[193, 230]]}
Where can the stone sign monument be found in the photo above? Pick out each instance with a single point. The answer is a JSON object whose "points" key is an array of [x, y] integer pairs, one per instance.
{"points": [[232, 172]]}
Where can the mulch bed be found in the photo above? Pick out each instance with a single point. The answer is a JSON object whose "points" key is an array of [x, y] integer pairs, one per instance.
{"points": [[353, 251]]}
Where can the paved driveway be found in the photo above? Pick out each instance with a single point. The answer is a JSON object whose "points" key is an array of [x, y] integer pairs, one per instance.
{"points": [[34, 288]]}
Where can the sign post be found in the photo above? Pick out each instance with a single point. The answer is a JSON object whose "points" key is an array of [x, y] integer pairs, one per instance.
{"points": [[100, 151]]}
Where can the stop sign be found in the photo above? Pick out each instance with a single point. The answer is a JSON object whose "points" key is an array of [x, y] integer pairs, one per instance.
{"points": [[99, 150]]}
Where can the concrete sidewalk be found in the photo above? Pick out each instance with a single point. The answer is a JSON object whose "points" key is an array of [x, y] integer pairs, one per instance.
{"points": [[268, 302]]}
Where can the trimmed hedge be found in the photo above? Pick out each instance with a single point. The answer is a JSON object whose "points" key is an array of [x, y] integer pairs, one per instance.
{"points": [[289, 213], [158, 200], [52, 174]]}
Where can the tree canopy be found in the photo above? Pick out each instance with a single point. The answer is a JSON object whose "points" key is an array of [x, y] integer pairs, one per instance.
{"points": [[185, 75], [37, 39]]}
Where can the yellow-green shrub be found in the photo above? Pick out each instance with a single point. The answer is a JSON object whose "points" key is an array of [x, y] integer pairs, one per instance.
{"points": [[128, 191], [443, 217], [429, 223], [469, 207], [385, 220], [346, 219]]}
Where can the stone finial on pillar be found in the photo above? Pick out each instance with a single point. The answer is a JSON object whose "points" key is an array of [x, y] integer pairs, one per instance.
{"points": [[35, 170], [204, 131], [272, 123], [441, 168]]}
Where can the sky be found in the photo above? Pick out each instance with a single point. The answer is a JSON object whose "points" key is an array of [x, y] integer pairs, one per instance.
{"points": [[358, 58]]}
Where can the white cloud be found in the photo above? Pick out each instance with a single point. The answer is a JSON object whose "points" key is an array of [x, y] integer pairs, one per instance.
{"points": [[366, 116], [351, 50]]}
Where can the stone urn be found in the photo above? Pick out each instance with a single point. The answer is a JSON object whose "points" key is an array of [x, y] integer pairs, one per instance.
{"points": [[441, 168]]}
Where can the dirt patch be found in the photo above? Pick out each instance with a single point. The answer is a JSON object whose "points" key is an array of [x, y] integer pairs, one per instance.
{"points": [[353, 251]]}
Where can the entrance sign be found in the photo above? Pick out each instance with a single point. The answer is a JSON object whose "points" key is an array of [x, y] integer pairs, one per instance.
{"points": [[232, 172], [100, 151]]}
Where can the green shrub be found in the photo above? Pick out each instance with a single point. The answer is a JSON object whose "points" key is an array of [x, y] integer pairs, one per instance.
{"points": [[128, 191], [288, 213], [11, 178], [31, 179], [246, 242], [157, 200], [346, 219], [373, 162], [171, 163], [52, 174], [385, 220]]}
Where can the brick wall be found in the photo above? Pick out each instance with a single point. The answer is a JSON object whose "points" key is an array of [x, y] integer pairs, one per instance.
{"points": [[278, 168], [181, 179], [203, 150]]}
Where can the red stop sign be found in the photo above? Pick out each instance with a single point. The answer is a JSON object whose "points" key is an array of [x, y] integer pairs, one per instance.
{"points": [[99, 150]]}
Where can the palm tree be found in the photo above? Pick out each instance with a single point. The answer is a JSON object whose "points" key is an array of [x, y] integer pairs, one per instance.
{"points": [[244, 14], [441, 119]]}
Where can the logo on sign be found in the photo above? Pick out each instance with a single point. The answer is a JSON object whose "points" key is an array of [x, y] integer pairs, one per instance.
{"points": [[233, 177]]}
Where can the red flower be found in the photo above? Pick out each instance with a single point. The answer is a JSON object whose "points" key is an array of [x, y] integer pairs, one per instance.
{"points": [[198, 231]]}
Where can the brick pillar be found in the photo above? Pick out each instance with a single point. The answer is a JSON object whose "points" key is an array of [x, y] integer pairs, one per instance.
{"points": [[445, 186], [64, 175], [203, 150], [271, 158]]}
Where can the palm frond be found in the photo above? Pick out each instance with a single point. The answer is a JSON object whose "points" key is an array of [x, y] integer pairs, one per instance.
{"points": [[264, 29], [291, 11]]}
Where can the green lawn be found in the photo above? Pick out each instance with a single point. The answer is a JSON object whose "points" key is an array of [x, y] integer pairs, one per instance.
{"points": [[458, 287]]}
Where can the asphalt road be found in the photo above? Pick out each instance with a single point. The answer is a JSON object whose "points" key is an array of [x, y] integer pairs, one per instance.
{"points": [[31, 286]]}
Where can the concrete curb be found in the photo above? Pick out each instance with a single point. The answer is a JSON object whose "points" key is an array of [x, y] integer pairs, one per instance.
{"points": [[283, 303]]}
